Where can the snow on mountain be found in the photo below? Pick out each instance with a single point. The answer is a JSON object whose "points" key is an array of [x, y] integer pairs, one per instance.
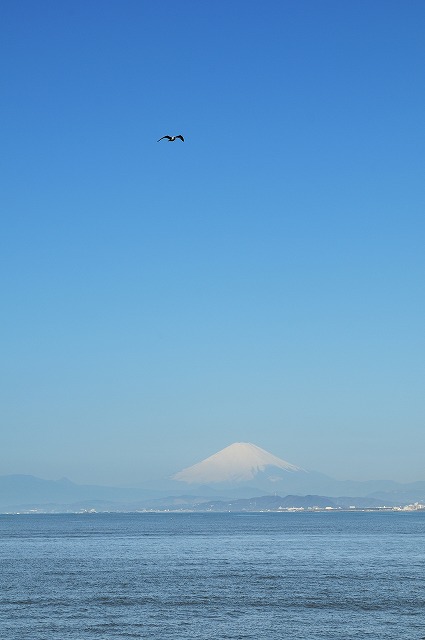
{"points": [[240, 462]]}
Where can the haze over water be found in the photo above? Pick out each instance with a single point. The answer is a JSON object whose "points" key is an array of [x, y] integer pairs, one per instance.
{"points": [[339, 576]]}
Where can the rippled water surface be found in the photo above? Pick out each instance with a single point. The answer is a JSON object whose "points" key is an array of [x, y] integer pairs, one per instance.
{"points": [[160, 576]]}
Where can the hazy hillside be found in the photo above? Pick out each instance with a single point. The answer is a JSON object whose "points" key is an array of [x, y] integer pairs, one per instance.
{"points": [[24, 493]]}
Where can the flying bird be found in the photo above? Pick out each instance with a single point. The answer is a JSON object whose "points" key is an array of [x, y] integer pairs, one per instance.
{"points": [[171, 138]]}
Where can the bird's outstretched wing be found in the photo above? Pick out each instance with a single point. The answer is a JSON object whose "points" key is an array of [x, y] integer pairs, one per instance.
{"points": [[169, 138], [181, 138]]}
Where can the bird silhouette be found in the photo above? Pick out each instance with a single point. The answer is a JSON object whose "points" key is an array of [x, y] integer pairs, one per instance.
{"points": [[171, 138]]}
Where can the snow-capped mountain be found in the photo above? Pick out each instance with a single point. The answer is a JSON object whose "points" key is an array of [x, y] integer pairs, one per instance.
{"points": [[244, 470], [240, 462]]}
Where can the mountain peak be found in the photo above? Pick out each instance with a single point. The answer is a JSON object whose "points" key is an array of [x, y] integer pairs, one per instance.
{"points": [[239, 462]]}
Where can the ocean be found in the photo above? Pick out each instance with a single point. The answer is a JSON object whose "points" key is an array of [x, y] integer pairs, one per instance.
{"points": [[297, 576]]}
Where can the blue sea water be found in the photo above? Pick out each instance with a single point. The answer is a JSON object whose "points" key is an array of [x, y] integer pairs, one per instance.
{"points": [[202, 576]]}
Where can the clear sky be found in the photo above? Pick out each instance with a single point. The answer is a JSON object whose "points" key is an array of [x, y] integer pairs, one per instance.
{"points": [[261, 282]]}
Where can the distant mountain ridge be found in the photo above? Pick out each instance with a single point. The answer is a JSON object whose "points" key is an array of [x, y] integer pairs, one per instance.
{"points": [[22, 493], [26, 490], [241, 471]]}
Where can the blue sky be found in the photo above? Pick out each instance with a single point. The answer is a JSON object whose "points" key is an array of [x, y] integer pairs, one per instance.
{"points": [[262, 281]]}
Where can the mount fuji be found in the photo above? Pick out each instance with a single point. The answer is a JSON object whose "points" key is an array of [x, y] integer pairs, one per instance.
{"points": [[245, 470], [241, 464]]}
